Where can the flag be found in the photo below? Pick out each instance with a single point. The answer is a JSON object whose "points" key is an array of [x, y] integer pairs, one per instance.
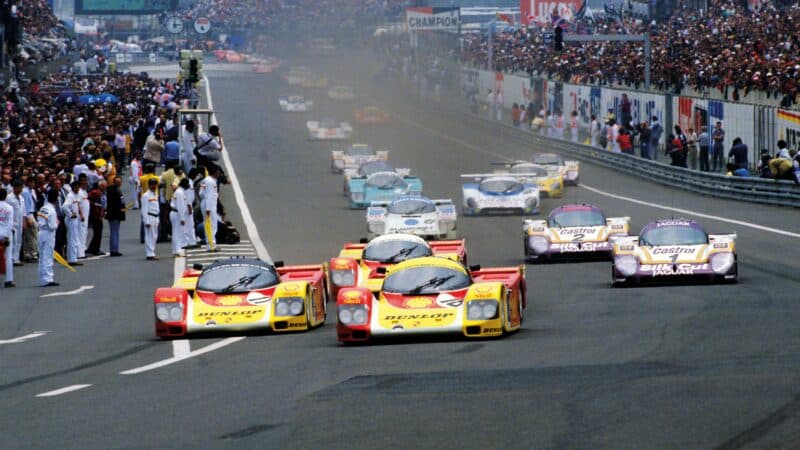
{"points": [[581, 11], [505, 18], [613, 12]]}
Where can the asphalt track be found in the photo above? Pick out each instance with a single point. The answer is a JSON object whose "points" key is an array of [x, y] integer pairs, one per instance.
{"points": [[593, 367]]}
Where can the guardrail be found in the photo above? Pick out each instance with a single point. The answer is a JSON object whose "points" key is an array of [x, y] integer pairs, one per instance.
{"points": [[756, 190]]}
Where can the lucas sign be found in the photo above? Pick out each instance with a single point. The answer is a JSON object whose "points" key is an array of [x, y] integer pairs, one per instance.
{"points": [[426, 18]]}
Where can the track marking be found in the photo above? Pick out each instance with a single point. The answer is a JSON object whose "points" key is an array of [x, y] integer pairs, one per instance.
{"points": [[21, 339], [608, 194], [73, 292], [181, 348], [64, 390], [191, 354]]}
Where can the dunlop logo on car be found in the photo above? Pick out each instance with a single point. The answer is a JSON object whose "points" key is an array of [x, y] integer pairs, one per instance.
{"points": [[419, 316], [247, 312]]}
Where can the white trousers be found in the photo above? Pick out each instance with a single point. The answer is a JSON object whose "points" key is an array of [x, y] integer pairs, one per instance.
{"points": [[73, 239], [177, 233], [47, 242], [150, 238], [9, 261]]}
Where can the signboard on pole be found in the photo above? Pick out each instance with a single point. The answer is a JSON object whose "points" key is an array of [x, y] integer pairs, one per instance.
{"points": [[543, 11], [128, 7], [427, 18], [202, 25]]}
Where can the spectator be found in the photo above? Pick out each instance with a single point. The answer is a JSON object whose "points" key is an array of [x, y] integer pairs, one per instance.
{"points": [[515, 115], [783, 150], [732, 171], [18, 203], [573, 127], [172, 154], [624, 142], [72, 212], [498, 104], [209, 147], [209, 197], [97, 213], [674, 150], [594, 131], [644, 139], [188, 143], [31, 195], [781, 168], [47, 219], [717, 150], [738, 153], [656, 130], [692, 153], [703, 141], [7, 238], [150, 216], [115, 214], [154, 147]]}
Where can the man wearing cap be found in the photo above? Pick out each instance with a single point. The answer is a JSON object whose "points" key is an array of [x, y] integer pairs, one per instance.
{"points": [[7, 237], [47, 218], [150, 218], [115, 213]]}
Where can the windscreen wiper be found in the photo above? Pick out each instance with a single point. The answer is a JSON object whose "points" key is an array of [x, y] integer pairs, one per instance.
{"points": [[433, 282], [243, 281]]}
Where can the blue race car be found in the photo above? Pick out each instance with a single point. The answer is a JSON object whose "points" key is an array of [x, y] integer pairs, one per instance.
{"points": [[499, 193], [381, 187]]}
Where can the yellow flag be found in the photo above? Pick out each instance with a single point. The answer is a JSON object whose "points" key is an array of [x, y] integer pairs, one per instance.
{"points": [[60, 259]]}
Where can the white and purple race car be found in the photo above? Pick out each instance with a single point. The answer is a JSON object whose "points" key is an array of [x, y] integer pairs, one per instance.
{"points": [[413, 214]]}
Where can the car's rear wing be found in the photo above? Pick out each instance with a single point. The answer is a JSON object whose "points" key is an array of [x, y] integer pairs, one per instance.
{"points": [[456, 247], [477, 177], [538, 224], [299, 273], [505, 275], [729, 237]]}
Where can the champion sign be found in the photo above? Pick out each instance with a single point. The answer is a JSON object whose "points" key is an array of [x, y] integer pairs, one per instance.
{"points": [[424, 18]]}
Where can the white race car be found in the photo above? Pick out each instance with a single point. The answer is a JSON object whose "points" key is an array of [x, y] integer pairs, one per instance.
{"points": [[499, 193], [413, 214], [354, 156], [329, 129], [295, 103], [341, 93]]}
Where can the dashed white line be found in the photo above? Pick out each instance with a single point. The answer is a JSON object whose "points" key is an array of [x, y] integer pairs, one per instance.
{"points": [[181, 348], [21, 339], [174, 359], [64, 390], [73, 292]]}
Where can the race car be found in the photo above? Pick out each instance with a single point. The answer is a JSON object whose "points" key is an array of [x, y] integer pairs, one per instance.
{"points": [[549, 180], [381, 186], [328, 129], [413, 214], [371, 115], [499, 193], [314, 81], [267, 65], [341, 93], [367, 169], [674, 250], [570, 170], [296, 75], [230, 56], [573, 231], [354, 156], [240, 294], [431, 295], [294, 103], [356, 264]]}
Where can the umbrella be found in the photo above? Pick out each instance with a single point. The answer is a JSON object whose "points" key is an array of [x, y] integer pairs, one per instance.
{"points": [[67, 97], [105, 97], [88, 99]]}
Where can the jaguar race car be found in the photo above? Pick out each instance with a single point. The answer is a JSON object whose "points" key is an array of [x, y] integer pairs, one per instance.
{"points": [[570, 170], [381, 187], [356, 264], [674, 250], [352, 157], [499, 193], [328, 129], [413, 214], [341, 93], [242, 294], [431, 295], [295, 103], [549, 180], [371, 115], [369, 168], [573, 231]]}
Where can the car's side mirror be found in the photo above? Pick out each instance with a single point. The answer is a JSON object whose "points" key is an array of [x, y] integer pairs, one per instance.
{"points": [[381, 270], [197, 266], [363, 241], [474, 267], [278, 263]]}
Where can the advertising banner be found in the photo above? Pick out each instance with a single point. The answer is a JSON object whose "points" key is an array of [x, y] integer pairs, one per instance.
{"points": [[427, 18], [787, 127], [544, 12]]}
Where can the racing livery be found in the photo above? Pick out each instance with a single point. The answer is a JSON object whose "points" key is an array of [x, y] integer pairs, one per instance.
{"points": [[341, 93], [434, 295], [241, 294], [381, 187], [674, 250], [413, 214], [294, 103], [368, 168], [354, 156], [357, 264], [570, 170], [548, 179], [573, 231], [328, 129], [499, 193], [371, 115]]}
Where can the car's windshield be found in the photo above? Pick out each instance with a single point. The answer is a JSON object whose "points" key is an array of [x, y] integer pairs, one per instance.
{"points": [[426, 280], [237, 277], [371, 167], [412, 206], [578, 218], [673, 235], [548, 159], [536, 171], [360, 150], [395, 250], [501, 186], [386, 181]]}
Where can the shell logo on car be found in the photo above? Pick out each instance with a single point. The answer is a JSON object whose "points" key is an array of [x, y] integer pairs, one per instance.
{"points": [[229, 300], [418, 302]]}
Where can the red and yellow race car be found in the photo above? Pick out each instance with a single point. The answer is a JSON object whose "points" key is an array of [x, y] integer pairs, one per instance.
{"points": [[357, 264], [241, 294], [371, 115], [431, 295]]}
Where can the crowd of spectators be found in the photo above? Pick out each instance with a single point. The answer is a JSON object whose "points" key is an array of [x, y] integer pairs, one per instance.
{"points": [[729, 48]]}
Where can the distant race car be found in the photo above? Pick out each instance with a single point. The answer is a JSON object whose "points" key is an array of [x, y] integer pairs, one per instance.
{"points": [[499, 193], [371, 115], [356, 264], [354, 156], [413, 214], [329, 129], [430, 295], [242, 294], [570, 170], [297, 74], [548, 179], [674, 250], [314, 81], [368, 168], [573, 231], [381, 187], [295, 103], [230, 56], [341, 93], [267, 65]]}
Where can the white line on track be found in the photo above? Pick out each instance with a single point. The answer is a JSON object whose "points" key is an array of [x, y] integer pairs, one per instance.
{"points": [[181, 348], [191, 354], [64, 390], [21, 339], [608, 194], [72, 292]]}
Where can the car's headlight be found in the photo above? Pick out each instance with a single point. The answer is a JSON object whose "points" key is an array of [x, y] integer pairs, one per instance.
{"points": [[572, 174], [539, 244], [626, 264], [353, 314], [482, 310], [169, 312], [532, 202], [343, 277], [721, 263], [289, 306]]}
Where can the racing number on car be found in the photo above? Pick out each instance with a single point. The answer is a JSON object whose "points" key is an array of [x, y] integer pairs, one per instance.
{"points": [[674, 258], [578, 237]]}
